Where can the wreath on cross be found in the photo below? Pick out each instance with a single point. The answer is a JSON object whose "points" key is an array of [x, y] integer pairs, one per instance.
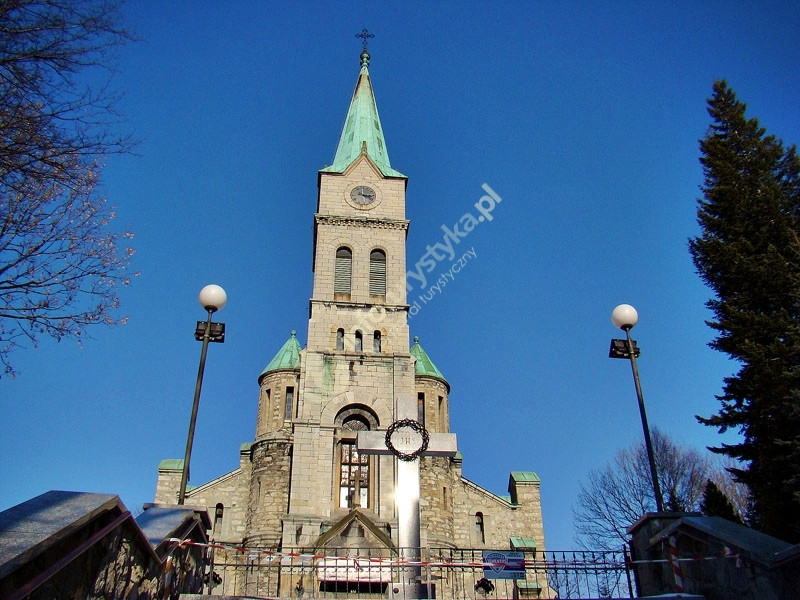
{"points": [[411, 424]]}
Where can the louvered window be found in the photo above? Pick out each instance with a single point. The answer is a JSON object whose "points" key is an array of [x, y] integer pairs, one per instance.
{"points": [[343, 271], [377, 273]]}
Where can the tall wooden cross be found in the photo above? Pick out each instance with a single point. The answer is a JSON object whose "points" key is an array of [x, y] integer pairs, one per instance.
{"points": [[408, 440]]}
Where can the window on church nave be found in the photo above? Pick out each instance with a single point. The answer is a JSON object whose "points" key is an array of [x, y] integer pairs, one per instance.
{"points": [[343, 271], [377, 273], [354, 482], [219, 511], [354, 467], [479, 527]]}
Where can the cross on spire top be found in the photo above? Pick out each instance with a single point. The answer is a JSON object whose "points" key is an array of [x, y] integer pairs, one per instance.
{"points": [[364, 35]]}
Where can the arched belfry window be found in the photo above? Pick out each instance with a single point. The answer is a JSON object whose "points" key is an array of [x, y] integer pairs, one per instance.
{"points": [[343, 271], [359, 346], [376, 341], [377, 273], [340, 339]]}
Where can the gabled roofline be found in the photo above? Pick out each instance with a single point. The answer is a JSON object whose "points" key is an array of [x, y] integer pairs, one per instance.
{"points": [[487, 493], [204, 486], [355, 514]]}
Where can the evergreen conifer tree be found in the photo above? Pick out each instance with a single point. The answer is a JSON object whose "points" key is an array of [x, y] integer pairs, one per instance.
{"points": [[748, 253], [717, 504]]}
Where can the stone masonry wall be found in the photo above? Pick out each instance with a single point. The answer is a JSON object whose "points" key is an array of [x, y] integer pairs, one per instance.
{"points": [[230, 491], [449, 505], [169, 482], [268, 496], [272, 415], [334, 188], [526, 496], [438, 481], [437, 412]]}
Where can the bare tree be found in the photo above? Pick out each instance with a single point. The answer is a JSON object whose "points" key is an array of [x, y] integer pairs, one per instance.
{"points": [[616, 496], [60, 261]]}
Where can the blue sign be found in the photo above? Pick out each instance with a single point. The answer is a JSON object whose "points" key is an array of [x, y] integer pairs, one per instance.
{"points": [[501, 564]]}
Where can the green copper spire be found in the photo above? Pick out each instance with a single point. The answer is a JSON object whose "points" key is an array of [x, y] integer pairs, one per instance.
{"points": [[424, 365], [362, 132], [287, 358]]}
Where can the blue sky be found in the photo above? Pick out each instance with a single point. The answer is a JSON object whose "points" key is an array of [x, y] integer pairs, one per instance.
{"points": [[583, 117]]}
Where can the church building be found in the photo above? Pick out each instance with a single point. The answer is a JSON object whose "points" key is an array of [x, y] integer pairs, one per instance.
{"points": [[302, 486]]}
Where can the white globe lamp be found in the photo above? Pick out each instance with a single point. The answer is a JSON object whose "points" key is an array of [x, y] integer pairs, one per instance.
{"points": [[212, 297], [624, 316]]}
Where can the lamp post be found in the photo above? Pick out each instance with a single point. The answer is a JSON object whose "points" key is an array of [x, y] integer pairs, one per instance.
{"points": [[625, 317], [212, 298]]}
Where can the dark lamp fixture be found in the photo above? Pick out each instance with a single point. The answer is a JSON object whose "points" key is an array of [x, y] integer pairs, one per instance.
{"points": [[619, 349], [216, 332]]}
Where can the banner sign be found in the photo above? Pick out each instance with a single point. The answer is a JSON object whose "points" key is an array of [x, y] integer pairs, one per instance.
{"points": [[504, 564]]}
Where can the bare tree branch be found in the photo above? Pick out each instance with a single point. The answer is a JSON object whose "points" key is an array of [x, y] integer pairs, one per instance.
{"points": [[60, 261], [616, 496]]}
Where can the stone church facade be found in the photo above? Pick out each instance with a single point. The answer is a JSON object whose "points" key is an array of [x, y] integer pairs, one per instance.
{"points": [[302, 486]]}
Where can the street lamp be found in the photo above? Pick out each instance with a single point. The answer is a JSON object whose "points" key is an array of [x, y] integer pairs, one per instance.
{"points": [[212, 298], [625, 317]]}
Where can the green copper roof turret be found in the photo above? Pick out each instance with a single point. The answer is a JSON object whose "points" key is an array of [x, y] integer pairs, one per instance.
{"points": [[424, 365], [362, 132], [287, 358]]}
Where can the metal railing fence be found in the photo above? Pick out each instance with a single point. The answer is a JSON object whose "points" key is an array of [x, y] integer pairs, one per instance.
{"points": [[444, 573]]}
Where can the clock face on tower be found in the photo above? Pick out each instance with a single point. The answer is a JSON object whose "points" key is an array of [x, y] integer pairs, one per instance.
{"points": [[363, 196]]}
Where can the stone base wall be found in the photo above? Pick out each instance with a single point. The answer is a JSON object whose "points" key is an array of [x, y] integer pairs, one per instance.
{"points": [[268, 495], [438, 483]]}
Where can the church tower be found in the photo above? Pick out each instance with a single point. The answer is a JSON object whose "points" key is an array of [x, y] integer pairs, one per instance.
{"points": [[301, 485], [357, 359]]}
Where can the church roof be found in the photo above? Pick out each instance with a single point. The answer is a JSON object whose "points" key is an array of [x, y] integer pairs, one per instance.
{"points": [[287, 358], [362, 132], [424, 365]]}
